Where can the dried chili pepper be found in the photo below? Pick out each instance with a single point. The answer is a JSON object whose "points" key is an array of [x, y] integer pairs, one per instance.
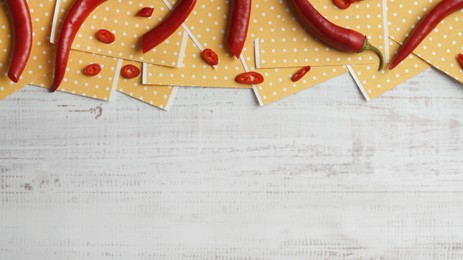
{"points": [[76, 16], [340, 38], [210, 57], [249, 78], [425, 27], [145, 12], [92, 70], [238, 25], [130, 71], [460, 60], [168, 26], [22, 37], [105, 36], [300, 73]]}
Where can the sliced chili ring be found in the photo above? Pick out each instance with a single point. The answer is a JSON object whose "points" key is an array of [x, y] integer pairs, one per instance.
{"points": [[210, 57], [130, 71], [92, 70], [105, 36], [460, 60], [251, 77], [342, 4], [300, 73], [145, 12]]}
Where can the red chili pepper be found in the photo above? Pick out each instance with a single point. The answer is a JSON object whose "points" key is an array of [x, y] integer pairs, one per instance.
{"points": [[130, 71], [460, 60], [340, 38], [145, 12], [425, 27], [76, 16], [168, 26], [342, 4], [300, 73], [22, 37], [92, 70], [210, 57], [251, 77], [238, 25], [105, 36]]}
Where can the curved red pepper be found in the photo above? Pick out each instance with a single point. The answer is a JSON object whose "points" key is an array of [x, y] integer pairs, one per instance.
{"points": [[22, 37], [340, 38], [168, 26], [76, 16], [425, 27], [238, 25]]}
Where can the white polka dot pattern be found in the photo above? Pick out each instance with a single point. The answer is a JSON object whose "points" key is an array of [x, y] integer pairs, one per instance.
{"points": [[120, 18], [441, 46], [159, 96], [284, 43], [374, 83]]}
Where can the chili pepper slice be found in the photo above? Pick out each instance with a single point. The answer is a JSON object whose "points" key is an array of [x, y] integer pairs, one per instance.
{"points": [[210, 57], [21, 21], [460, 60], [105, 36], [75, 17], [425, 27], [92, 70], [238, 25], [130, 71], [168, 26], [340, 38], [342, 4], [145, 12], [251, 77], [300, 73]]}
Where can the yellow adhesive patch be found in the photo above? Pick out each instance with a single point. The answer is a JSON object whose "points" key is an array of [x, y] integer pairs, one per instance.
{"points": [[207, 23], [285, 43], [441, 46], [120, 18], [8, 87], [160, 96], [75, 82], [373, 83], [42, 59]]}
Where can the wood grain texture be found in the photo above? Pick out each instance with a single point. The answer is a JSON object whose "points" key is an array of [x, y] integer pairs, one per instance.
{"points": [[319, 175]]}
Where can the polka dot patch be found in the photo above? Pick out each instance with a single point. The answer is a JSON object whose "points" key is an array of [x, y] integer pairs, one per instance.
{"points": [[284, 43], [159, 96], [120, 18], [34, 65], [374, 83], [441, 46]]}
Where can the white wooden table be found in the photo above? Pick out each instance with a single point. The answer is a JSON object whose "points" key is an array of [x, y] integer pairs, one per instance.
{"points": [[320, 175]]}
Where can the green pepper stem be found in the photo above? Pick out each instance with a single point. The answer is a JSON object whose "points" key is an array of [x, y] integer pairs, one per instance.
{"points": [[368, 47]]}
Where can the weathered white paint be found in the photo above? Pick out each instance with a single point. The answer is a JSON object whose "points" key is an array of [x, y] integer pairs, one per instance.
{"points": [[319, 175]]}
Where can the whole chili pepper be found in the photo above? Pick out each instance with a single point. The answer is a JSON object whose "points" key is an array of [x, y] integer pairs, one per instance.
{"points": [[340, 38], [22, 37], [76, 16], [425, 27], [238, 25], [460, 60], [168, 26]]}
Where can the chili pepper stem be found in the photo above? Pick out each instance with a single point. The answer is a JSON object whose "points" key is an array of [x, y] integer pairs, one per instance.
{"points": [[368, 47]]}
